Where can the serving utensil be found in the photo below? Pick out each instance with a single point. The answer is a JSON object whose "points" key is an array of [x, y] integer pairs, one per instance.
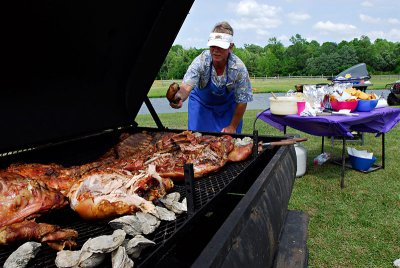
{"points": [[283, 142]]}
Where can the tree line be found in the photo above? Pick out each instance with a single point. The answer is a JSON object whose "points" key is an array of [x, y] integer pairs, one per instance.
{"points": [[301, 57]]}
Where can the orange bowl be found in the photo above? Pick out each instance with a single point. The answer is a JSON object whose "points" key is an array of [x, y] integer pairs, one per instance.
{"points": [[340, 105]]}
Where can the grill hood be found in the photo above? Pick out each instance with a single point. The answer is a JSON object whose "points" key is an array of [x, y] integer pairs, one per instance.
{"points": [[74, 68]]}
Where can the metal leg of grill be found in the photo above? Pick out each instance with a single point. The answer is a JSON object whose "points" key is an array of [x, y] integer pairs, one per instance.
{"points": [[343, 163]]}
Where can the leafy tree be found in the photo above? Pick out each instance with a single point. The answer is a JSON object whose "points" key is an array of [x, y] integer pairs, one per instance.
{"points": [[296, 55], [364, 50], [275, 52], [299, 58], [384, 56], [313, 48], [273, 64], [325, 64], [254, 49], [348, 57], [328, 48]]}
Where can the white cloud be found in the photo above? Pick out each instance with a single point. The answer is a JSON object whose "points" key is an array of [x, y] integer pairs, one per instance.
{"points": [[256, 16], [367, 4], [393, 21], [310, 38], [334, 27], [251, 8], [375, 34], [369, 19], [283, 38], [296, 17], [262, 32], [393, 35]]}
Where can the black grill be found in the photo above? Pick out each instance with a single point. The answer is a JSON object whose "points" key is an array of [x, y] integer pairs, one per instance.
{"points": [[84, 79], [207, 191]]}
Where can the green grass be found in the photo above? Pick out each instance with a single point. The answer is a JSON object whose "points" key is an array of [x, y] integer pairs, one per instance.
{"points": [[358, 226], [159, 87]]}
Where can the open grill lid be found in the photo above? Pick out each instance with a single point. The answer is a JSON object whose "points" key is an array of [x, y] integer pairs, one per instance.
{"points": [[75, 68]]}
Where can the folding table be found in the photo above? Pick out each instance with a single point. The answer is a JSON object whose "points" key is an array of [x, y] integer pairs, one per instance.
{"points": [[379, 120]]}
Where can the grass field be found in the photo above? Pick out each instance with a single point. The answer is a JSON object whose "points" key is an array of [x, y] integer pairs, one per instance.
{"points": [[358, 226], [159, 87]]}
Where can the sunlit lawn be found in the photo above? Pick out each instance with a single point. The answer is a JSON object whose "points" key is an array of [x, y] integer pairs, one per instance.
{"points": [[159, 87]]}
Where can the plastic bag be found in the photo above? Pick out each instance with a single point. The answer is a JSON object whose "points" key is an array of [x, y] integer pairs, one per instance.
{"points": [[322, 158]]}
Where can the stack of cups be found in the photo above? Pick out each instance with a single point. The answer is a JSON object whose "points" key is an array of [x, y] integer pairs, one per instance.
{"points": [[301, 105]]}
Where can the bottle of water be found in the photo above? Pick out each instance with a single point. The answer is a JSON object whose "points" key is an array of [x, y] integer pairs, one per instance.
{"points": [[322, 158]]}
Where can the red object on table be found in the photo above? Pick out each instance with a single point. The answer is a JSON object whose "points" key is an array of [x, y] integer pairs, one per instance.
{"points": [[340, 105]]}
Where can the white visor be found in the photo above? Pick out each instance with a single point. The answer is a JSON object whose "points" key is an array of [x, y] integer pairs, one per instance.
{"points": [[221, 40]]}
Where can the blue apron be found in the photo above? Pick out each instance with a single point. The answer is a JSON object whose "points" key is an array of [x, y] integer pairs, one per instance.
{"points": [[212, 108]]}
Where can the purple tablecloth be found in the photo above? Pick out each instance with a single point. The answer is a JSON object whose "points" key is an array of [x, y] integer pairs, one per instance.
{"points": [[380, 120]]}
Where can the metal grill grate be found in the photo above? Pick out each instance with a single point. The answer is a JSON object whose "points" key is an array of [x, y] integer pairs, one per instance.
{"points": [[205, 190]]}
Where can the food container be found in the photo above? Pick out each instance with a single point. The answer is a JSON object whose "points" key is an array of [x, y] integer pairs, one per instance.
{"points": [[341, 105], [283, 105], [301, 157], [360, 163], [366, 105]]}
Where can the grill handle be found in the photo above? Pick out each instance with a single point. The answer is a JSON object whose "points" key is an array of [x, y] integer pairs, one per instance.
{"points": [[255, 143], [283, 142], [189, 186]]}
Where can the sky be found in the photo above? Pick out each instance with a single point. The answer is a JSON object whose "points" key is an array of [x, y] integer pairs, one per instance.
{"points": [[256, 21]]}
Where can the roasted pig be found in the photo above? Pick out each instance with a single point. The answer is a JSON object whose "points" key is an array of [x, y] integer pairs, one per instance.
{"points": [[111, 192], [53, 235], [23, 198], [54, 175], [207, 153]]}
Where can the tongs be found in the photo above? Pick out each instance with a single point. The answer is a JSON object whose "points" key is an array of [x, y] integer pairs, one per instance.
{"points": [[283, 142]]}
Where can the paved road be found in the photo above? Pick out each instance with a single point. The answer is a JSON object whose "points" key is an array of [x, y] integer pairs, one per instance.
{"points": [[261, 101]]}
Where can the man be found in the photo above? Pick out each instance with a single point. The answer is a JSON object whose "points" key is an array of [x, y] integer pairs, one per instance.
{"points": [[217, 84]]}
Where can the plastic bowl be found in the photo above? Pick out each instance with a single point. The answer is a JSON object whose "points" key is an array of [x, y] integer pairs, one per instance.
{"points": [[283, 105], [366, 105], [362, 164], [340, 105]]}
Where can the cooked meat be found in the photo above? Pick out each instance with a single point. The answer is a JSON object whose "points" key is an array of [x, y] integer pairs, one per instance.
{"points": [[115, 186], [207, 154], [53, 235], [134, 145], [22, 198], [111, 192], [240, 151], [54, 175]]}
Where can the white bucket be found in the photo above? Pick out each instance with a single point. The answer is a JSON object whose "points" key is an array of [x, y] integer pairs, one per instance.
{"points": [[301, 156], [283, 105]]}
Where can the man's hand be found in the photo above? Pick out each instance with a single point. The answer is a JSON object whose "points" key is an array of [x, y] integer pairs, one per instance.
{"points": [[229, 129], [177, 103], [178, 94], [171, 92]]}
